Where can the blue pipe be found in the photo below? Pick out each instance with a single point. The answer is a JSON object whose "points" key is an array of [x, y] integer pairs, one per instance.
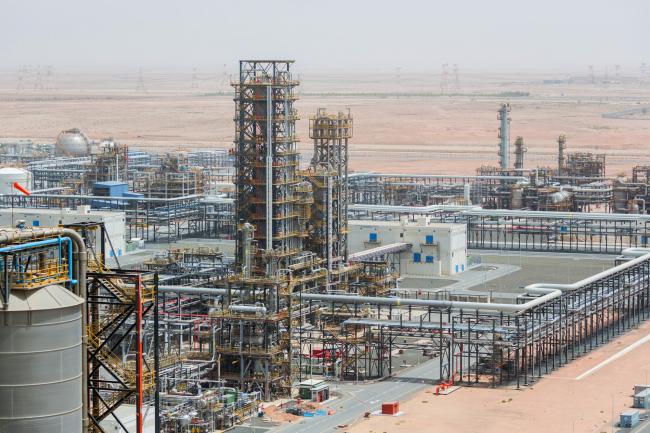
{"points": [[45, 242]]}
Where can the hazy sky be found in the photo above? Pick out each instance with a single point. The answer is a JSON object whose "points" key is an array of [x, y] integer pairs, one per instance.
{"points": [[336, 35]]}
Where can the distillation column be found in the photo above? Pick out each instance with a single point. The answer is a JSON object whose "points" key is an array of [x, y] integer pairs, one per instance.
{"points": [[328, 175], [504, 136], [520, 150], [266, 162], [561, 147]]}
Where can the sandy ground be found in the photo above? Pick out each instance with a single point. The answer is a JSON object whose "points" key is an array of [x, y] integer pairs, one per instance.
{"points": [[557, 403], [401, 124]]}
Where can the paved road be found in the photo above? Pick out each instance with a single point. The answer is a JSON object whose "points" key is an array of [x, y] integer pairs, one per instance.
{"points": [[355, 400]]}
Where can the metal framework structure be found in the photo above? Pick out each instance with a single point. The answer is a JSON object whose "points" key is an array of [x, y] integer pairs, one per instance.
{"points": [[490, 189], [111, 163], [274, 206], [328, 176], [59, 173], [121, 369], [505, 343], [424, 190], [520, 151], [515, 230], [173, 178], [584, 165], [266, 161], [151, 219]]}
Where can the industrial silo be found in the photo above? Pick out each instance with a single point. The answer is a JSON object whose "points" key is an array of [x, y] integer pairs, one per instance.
{"points": [[40, 362], [73, 142], [9, 175]]}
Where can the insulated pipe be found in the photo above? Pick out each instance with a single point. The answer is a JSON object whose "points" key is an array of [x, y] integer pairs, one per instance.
{"points": [[556, 215], [436, 176], [593, 278], [411, 209], [635, 252], [46, 242], [239, 308], [192, 290], [547, 291], [547, 294]]}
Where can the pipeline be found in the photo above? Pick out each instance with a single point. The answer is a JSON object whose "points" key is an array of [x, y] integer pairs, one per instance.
{"points": [[639, 253], [546, 295], [411, 209], [635, 252], [546, 292], [192, 290], [46, 242], [435, 176], [241, 308]]}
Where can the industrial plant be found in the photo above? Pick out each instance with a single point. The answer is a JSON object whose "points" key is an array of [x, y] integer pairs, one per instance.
{"points": [[187, 291]]}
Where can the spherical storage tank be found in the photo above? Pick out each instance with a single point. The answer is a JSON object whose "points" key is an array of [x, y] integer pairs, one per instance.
{"points": [[72, 142], [9, 175], [40, 362]]}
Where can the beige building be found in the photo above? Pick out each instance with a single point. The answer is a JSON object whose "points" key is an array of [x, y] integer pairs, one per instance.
{"points": [[436, 248]]}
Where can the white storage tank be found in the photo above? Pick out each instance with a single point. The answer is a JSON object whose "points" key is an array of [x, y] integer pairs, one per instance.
{"points": [[9, 175], [73, 142], [40, 362]]}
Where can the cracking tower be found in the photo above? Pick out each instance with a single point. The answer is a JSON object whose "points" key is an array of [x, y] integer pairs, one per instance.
{"points": [[266, 163]]}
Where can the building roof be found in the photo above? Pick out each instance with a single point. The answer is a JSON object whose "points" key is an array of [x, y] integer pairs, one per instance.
{"points": [[110, 183], [18, 212], [12, 170], [398, 224], [312, 382]]}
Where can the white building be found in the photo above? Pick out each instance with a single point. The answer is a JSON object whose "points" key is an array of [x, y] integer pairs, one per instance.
{"points": [[113, 221], [437, 248]]}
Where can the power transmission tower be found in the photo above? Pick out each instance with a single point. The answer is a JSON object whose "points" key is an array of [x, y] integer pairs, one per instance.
{"points": [[444, 79], [139, 88], [456, 79], [48, 79], [398, 80], [23, 72], [195, 79], [38, 81], [224, 81]]}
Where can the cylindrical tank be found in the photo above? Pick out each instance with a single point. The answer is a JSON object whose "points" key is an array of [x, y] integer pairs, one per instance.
{"points": [[72, 142], [40, 362], [467, 193], [9, 175], [517, 198]]}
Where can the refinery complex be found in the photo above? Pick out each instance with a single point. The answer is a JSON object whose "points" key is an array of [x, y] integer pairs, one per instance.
{"points": [[252, 289]]}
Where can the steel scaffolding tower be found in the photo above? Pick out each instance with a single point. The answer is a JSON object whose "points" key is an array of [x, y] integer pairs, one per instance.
{"points": [[520, 150], [328, 176], [266, 161], [119, 304]]}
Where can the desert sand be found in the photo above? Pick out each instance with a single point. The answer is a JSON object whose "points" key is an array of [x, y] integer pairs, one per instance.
{"points": [[402, 124], [556, 403]]}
